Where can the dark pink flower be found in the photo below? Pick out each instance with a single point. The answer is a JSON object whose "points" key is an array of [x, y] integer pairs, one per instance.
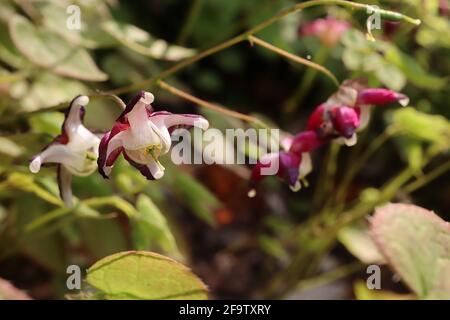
{"points": [[328, 30], [142, 135], [348, 110], [332, 122], [291, 165]]}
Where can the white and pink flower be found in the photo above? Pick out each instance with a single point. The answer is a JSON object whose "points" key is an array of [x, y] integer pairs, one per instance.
{"points": [[74, 151], [143, 135]]}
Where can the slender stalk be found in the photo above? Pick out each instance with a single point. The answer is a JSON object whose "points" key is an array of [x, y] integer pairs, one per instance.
{"points": [[326, 178], [205, 104], [242, 37], [294, 58], [362, 160], [426, 178], [330, 276]]}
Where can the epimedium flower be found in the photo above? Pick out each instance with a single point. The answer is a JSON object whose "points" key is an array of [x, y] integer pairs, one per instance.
{"points": [[292, 164], [329, 30], [334, 121], [74, 151], [143, 135], [349, 110]]}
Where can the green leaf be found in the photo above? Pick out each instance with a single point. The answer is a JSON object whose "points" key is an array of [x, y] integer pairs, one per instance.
{"points": [[50, 51], [416, 244], [8, 52], [89, 36], [49, 90], [113, 201], [47, 122], [10, 148], [357, 241], [25, 182], [144, 275], [102, 237], [390, 76], [421, 126], [151, 225], [195, 195], [142, 42], [414, 71]]}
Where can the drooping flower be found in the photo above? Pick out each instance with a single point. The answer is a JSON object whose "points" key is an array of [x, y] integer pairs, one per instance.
{"points": [[349, 110], [292, 164], [334, 121], [142, 135], [74, 151], [329, 30]]}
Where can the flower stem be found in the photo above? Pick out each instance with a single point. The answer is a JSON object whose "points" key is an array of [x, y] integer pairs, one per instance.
{"points": [[205, 104], [424, 179], [242, 37], [294, 57]]}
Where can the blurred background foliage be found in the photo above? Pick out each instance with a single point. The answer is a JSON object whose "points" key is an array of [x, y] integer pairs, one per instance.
{"points": [[280, 244]]}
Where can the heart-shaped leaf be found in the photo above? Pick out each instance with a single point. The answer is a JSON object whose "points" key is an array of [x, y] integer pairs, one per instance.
{"points": [[49, 50], [416, 243], [144, 275]]}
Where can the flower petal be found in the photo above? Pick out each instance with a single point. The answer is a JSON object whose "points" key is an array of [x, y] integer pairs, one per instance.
{"points": [[170, 120], [78, 136], [142, 97], [153, 170], [306, 141], [109, 149], [64, 178], [365, 112], [59, 153], [316, 118], [287, 165], [380, 96], [345, 120], [329, 30], [305, 165]]}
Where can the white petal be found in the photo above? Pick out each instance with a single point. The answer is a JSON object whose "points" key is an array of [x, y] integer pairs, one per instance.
{"points": [[59, 153], [80, 138], [73, 119], [364, 117], [404, 101], [170, 120], [142, 131], [305, 165], [156, 169], [352, 141], [296, 187], [65, 185]]}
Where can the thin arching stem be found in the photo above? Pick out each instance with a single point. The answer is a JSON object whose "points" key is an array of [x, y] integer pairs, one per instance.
{"points": [[244, 36], [294, 58], [205, 104]]}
